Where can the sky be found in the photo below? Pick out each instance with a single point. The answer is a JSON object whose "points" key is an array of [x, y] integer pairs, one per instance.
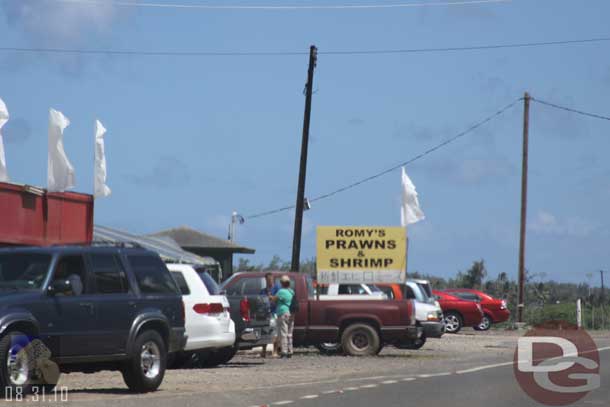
{"points": [[190, 139]]}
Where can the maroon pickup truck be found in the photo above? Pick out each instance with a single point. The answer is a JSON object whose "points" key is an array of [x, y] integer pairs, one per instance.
{"points": [[362, 327]]}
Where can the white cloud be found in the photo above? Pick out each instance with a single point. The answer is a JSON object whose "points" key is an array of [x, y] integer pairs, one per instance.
{"points": [[547, 223], [57, 23]]}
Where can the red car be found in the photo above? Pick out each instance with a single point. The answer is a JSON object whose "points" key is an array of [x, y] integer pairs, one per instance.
{"points": [[495, 309], [458, 312]]}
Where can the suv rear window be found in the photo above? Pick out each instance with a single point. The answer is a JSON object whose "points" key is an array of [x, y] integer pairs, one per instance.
{"points": [[209, 282], [152, 275], [109, 275], [179, 279]]}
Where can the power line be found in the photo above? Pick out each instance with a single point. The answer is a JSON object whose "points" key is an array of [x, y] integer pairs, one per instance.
{"points": [[279, 8], [397, 166], [568, 109], [297, 53]]}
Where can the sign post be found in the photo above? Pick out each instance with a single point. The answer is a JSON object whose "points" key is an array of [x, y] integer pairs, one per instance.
{"points": [[361, 254]]}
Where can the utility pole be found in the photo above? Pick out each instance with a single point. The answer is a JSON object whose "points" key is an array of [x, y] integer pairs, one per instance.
{"points": [[526, 124], [298, 216], [603, 295]]}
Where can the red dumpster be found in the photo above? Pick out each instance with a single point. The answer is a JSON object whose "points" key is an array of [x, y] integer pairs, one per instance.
{"points": [[33, 216]]}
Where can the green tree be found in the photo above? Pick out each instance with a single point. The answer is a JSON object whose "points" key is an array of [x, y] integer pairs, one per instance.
{"points": [[474, 276]]}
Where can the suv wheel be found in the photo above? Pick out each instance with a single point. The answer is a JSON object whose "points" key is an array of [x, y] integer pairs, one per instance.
{"points": [[360, 340], [15, 371], [453, 322], [145, 370]]}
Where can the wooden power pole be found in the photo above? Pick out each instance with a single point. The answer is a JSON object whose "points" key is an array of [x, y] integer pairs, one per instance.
{"points": [[526, 123], [298, 217], [603, 294]]}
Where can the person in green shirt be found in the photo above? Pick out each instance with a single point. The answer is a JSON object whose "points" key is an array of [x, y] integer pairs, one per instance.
{"points": [[282, 300]]}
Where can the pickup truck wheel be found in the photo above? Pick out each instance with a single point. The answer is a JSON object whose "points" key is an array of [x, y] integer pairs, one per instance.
{"points": [[360, 340], [15, 371], [453, 322], [144, 372], [329, 348]]}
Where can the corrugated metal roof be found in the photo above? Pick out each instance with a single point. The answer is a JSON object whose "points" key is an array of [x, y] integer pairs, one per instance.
{"points": [[167, 248], [191, 238]]}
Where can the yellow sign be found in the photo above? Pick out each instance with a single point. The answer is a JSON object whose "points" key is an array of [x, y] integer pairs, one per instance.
{"points": [[361, 254]]}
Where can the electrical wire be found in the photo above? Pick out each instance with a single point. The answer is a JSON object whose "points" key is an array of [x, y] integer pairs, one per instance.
{"points": [[395, 167], [298, 53], [568, 109], [279, 7]]}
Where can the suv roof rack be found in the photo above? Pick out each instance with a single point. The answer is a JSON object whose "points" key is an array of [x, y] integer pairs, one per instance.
{"points": [[134, 245]]}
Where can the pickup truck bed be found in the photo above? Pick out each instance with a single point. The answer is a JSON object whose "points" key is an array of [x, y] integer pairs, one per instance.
{"points": [[362, 327]]}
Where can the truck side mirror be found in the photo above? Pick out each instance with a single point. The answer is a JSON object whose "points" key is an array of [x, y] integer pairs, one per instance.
{"points": [[59, 287]]}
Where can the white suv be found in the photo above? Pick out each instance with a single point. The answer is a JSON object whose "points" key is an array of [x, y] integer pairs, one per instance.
{"points": [[210, 330]]}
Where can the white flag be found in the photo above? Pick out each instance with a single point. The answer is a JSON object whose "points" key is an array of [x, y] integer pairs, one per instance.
{"points": [[3, 120], [410, 212], [101, 189], [60, 174]]}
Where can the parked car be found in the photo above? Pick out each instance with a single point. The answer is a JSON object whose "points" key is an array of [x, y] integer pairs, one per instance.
{"points": [[353, 291], [87, 308], [495, 309], [457, 312], [362, 327], [428, 312], [209, 328], [250, 310]]}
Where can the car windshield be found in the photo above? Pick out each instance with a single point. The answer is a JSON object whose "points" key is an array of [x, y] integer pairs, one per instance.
{"points": [[23, 271], [417, 292], [424, 291]]}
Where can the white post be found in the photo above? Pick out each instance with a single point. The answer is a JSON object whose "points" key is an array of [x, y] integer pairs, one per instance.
{"points": [[579, 313], [232, 227]]}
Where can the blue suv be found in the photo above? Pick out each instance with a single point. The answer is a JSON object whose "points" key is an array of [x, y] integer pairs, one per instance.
{"points": [[86, 309]]}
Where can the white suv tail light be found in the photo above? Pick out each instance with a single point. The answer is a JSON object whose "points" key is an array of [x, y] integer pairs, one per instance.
{"points": [[214, 308]]}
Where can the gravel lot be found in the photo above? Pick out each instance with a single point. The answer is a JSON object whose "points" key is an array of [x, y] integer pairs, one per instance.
{"points": [[248, 371]]}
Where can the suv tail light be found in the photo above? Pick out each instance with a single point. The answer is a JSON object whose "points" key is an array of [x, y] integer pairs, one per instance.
{"points": [[503, 304], [244, 309], [215, 308], [183, 311]]}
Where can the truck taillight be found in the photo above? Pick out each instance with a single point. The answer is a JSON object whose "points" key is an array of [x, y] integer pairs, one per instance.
{"points": [[214, 308], [413, 320], [244, 309]]}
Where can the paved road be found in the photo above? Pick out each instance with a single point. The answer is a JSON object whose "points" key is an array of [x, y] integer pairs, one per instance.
{"points": [[471, 382], [491, 386]]}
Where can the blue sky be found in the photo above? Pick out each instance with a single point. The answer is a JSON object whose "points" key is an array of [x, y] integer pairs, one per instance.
{"points": [[190, 139]]}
